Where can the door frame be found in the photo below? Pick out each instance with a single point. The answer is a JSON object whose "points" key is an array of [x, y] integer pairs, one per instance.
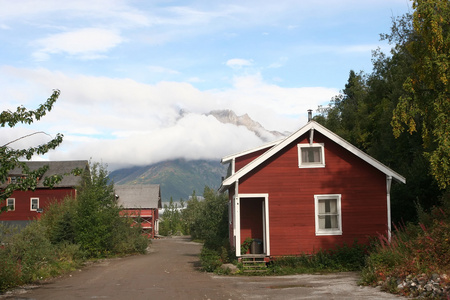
{"points": [[265, 218]]}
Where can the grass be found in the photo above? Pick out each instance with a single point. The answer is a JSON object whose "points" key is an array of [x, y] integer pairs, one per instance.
{"points": [[340, 259]]}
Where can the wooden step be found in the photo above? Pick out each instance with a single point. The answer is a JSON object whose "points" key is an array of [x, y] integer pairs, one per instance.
{"points": [[253, 264]]}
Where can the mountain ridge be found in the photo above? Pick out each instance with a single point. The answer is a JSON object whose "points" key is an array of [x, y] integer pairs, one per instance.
{"points": [[178, 178]]}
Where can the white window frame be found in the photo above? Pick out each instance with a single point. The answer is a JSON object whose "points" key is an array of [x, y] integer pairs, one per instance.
{"points": [[302, 164], [31, 204], [13, 204], [331, 231]]}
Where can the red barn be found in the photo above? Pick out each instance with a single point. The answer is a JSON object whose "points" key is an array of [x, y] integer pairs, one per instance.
{"points": [[141, 202], [309, 191], [25, 206]]}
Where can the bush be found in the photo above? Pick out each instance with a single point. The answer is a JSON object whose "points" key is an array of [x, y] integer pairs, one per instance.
{"points": [[210, 259], [414, 250], [342, 258], [25, 256], [99, 228], [58, 221]]}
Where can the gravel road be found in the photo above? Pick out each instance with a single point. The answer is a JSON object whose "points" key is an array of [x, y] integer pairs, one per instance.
{"points": [[170, 271]]}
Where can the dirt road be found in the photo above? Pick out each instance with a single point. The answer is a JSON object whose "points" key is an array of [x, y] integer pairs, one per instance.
{"points": [[170, 271]]}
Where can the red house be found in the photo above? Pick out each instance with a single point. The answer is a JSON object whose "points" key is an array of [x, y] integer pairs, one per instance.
{"points": [[141, 202], [25, 206], [309, 191]]}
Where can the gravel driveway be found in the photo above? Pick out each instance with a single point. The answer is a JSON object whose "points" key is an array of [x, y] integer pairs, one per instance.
{"points": [[170, 271]]}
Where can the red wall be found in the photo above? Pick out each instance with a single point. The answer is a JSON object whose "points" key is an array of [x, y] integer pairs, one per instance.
{"points": [[22, 210], [242, 161], [291, 197]]}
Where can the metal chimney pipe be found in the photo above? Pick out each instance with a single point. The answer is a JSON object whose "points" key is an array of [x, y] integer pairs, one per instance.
{"points": [[309, 115]]}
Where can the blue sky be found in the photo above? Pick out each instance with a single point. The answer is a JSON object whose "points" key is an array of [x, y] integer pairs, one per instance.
{"points": [[126, 68]]}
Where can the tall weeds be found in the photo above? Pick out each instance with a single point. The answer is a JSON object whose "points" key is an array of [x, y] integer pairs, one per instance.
{"points": [[413, 249]]}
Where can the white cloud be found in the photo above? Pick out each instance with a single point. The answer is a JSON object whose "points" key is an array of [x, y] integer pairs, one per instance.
{"points": [[88, 43], [237, 63], [121, 121]]}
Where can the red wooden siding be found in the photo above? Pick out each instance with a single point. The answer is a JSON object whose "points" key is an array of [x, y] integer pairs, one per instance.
{"points": [[291, 197], [22, 210], [243, 160]]}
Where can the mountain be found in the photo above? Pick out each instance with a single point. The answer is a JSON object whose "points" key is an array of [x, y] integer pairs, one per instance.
{"points": [[229, 117], [178, 178]]}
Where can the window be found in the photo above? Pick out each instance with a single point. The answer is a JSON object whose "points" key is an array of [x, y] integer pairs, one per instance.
{"points": [[328, 214], [34, 204], [311, 156], [10, 202]]}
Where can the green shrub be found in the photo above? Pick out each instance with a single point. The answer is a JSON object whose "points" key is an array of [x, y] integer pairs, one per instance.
{"points": [[413, 249], [58, 221], [340, 259], [128, 239], [25, 256], [210, 259]]}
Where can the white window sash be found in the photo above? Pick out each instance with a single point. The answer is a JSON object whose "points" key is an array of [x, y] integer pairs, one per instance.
{"points": [[11, 203], [32, 206], [306, 154], [328, 214]]}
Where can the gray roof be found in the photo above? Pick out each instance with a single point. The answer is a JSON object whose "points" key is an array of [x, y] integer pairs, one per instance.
{"points": [[56, 168], [139, 196]]}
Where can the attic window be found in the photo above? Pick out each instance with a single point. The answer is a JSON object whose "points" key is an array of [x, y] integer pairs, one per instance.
{"points": [[311, 156]]}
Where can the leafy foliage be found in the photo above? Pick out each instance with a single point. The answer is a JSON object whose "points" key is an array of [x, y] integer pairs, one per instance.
{"points": [[11, 158], [68, 233], [414, 249], [99, 229], [172, 223], [211, 223], [363, 113], [425, 105]]}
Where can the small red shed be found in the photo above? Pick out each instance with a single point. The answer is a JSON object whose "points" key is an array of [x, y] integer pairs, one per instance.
{"points": [[309, 191], [25, 206], [141, 202]]}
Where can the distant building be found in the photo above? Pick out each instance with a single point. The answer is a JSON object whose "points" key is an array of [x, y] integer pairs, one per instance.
{"points": [[141, 202], [25, 206]]}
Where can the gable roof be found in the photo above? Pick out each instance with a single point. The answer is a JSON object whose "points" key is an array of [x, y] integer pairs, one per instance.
{"points": [[311, 125], [139, 196], [55, 168]]}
